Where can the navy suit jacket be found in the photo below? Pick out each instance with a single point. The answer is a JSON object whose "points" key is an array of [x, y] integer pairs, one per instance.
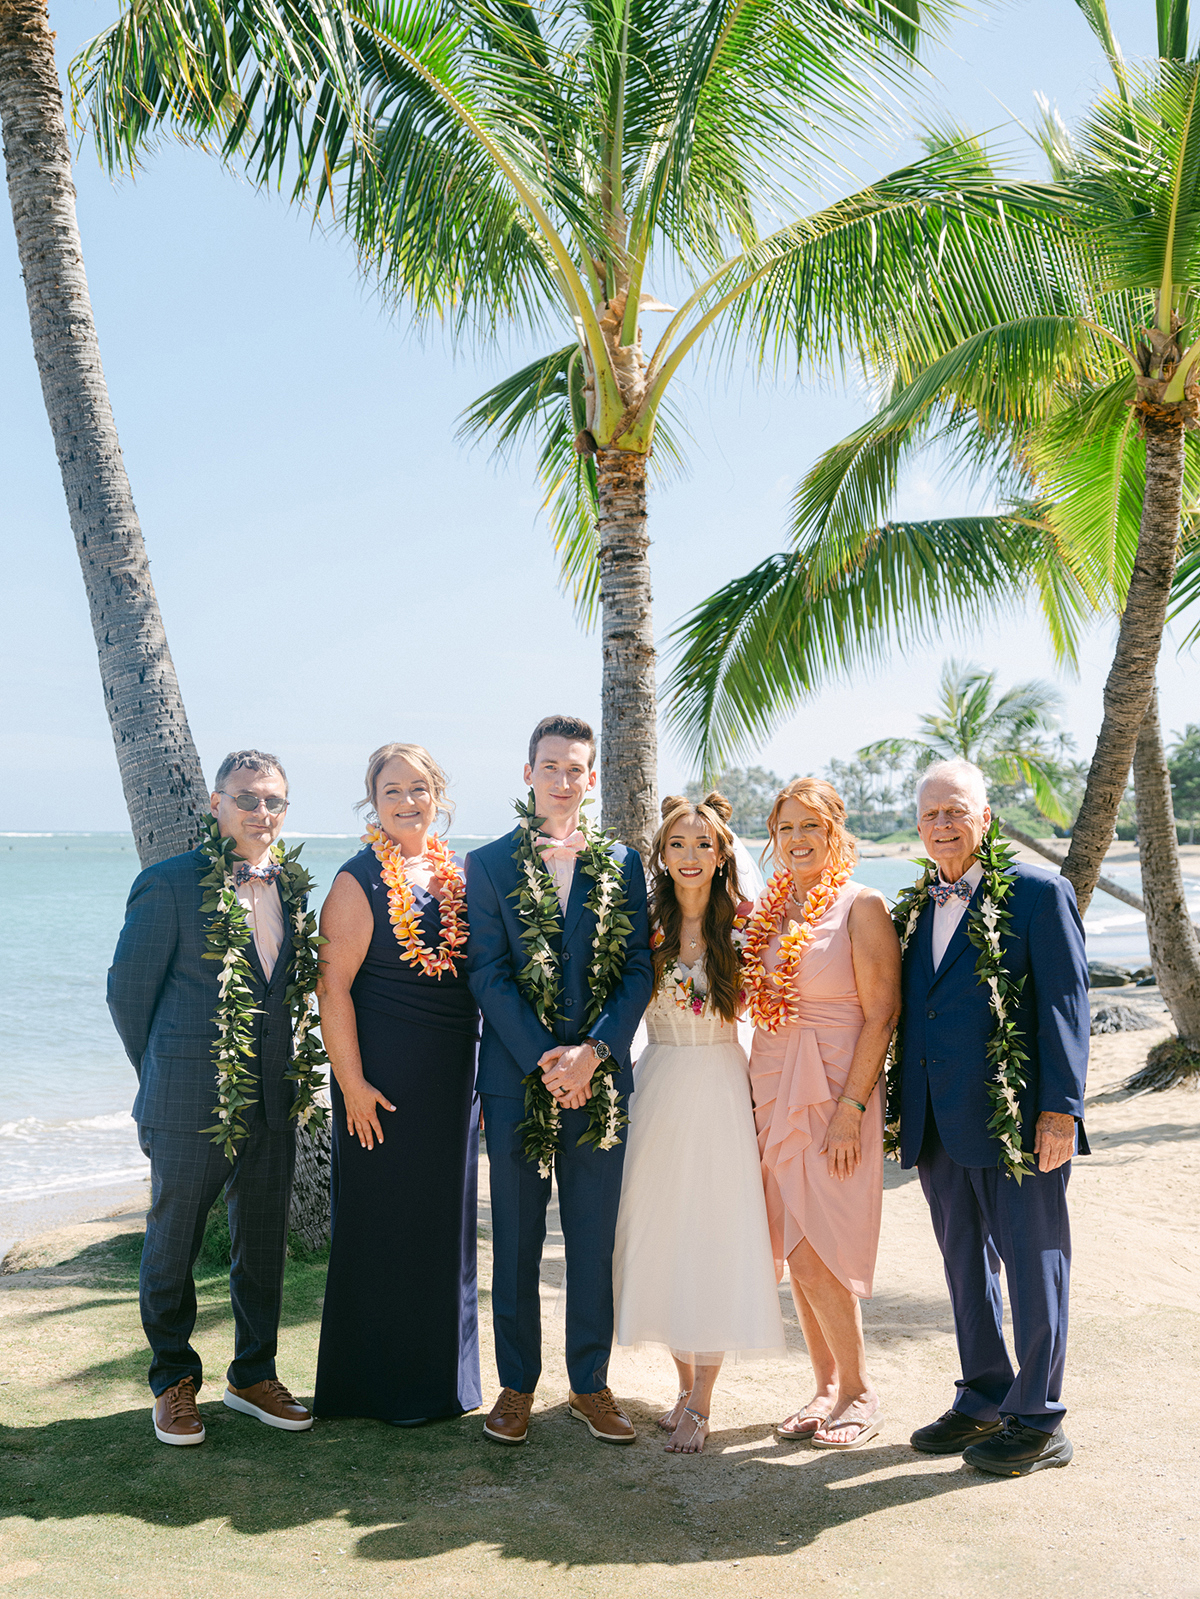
{"points": [[163, 996], [946, 1021], [513, 1037]]}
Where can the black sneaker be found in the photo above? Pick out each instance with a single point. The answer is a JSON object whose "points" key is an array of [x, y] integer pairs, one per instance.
{"points": [[1016, 1450], [950, 1434]]}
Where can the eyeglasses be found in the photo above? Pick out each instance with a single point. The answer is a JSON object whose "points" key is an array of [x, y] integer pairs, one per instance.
{"points": [[251, 802]]}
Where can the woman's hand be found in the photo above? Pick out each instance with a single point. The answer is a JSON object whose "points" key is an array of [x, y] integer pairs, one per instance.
{"points": [[362, 1117], [843, 1142]]}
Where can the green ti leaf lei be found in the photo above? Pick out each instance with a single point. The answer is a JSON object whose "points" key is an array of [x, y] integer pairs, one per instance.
{"points": [[228, 936], [988, 921], [540, 980]]}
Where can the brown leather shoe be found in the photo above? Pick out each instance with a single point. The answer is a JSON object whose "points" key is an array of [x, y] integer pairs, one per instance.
{"points": [[270, 1401], [508, 1420], [603, 1417], [176, 1418]]}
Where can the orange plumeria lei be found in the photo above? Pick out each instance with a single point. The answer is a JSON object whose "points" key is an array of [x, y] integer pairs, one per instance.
{"points": [[406, 919], [770, 1000]]}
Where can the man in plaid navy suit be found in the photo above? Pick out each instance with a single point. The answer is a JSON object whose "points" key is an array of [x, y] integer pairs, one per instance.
{"points": [[163, 997]]}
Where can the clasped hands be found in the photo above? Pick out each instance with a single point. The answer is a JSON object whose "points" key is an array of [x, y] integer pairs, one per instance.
{"points": [[567, 1072]]}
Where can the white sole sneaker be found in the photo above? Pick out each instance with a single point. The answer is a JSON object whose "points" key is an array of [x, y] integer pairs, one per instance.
{"points": [[604, 1437], [236, 1402], [498, 1437], [174, 1437]]}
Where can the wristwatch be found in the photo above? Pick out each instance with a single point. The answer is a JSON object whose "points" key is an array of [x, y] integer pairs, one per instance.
{"points": [[602, 1050]]}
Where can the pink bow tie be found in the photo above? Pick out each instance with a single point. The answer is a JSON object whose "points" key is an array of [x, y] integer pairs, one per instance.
{"points": [[245, 872], [561, 849], [942, 892]]}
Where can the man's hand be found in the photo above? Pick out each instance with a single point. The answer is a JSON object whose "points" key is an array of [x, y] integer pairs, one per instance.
{"points": [[1054, 1139], [567, 1072]]}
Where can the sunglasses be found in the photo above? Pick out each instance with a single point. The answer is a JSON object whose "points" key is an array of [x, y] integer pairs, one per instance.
{"points": [[251, 802]]}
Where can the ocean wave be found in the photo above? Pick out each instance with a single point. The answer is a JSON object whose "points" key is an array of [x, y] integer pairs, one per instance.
{"points": [[30, 1127], [106, 1178]]}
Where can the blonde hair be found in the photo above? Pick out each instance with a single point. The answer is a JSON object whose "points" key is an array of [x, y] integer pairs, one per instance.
{"points": [[824, 799], [418, 756]]}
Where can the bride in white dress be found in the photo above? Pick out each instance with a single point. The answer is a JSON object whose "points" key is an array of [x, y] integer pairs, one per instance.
{"points": [[693, 1268]]}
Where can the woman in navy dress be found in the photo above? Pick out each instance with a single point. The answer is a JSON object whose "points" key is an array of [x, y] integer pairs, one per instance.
{"points": [[399, 1332]]}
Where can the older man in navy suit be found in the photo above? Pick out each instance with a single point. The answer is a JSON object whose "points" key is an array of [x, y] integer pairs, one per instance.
{"points": [[163, 996], [515, 1042], [1002, 1422]]}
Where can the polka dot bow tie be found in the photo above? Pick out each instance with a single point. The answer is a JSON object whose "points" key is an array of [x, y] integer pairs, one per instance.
{"points": [[266, 874], [943, 892]]}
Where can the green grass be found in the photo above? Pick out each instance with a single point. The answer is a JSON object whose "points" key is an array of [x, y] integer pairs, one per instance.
{"points": [[91, 1504]]}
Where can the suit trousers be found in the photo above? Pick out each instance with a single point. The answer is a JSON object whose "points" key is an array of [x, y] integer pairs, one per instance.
{"points": [[187, 1173], [589, 1194], [981, 1217]]}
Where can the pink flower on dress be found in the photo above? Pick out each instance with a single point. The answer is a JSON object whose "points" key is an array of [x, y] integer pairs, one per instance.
{"points": [[697, 1007]]}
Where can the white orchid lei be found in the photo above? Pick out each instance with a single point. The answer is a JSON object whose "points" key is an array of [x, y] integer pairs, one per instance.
{"points": [[540, 980], [228, 936], [988, 922]]}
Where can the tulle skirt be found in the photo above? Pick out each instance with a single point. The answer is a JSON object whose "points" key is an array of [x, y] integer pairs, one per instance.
{"points": [[693, 1269]]}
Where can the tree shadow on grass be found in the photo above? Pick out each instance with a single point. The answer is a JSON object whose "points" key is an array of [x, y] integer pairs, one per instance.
{"points": [[415, 1494]]}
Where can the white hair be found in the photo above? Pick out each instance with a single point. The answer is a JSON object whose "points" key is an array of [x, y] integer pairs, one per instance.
{"points": [[959, 771]]}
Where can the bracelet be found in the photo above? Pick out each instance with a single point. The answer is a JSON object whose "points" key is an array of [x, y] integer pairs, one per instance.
{"points": [[844, 1099]]}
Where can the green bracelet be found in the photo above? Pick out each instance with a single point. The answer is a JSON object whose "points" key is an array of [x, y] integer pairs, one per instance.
{"points": [[844, 1099]]}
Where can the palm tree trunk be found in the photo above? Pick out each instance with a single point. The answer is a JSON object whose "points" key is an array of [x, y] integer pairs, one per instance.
{"points": [[1174, 947], [1105, 883], [629, 706], [1130, 682], [160, 770]]}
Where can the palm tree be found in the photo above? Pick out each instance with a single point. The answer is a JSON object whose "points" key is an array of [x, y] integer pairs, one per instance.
{"points": [[160, 770], [1012, 736], [530, 167], [1079, 414]]}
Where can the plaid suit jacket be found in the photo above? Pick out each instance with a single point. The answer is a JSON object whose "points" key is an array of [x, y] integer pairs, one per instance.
{"points": [[162, 996]]}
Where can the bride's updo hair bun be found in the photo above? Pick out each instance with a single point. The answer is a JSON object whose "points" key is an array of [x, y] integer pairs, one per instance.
{"points": [[721, 957], [718, 805]]}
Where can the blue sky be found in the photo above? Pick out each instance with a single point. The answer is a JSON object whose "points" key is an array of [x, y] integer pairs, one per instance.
{"points": [[333, 568]]}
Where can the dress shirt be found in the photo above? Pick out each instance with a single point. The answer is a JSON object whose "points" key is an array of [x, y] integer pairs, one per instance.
{"points": [[563, 873], [947, 917], [264, 912]]}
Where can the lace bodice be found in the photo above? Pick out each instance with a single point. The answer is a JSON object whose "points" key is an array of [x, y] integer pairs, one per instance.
{"points": [[667, 1023]]}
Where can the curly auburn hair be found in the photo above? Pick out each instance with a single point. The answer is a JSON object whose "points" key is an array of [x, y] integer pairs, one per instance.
{"points": [[721, 959], [819, 796]]}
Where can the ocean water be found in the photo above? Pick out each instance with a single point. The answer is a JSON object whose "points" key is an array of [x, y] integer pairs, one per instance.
{"points": [[65, 1083]]}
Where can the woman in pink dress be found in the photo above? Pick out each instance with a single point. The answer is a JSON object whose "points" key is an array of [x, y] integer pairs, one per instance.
{"points": [[823, 988]]}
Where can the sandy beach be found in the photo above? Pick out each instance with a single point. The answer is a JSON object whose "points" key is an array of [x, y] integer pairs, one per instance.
{"points": [[354, 1508]]}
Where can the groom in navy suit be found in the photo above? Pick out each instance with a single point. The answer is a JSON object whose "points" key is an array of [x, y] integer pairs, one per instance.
{"points": [[561, 772], [163, 995], [1002, 1422]]}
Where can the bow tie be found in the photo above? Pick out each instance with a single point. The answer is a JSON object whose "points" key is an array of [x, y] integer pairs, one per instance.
{"points": [[942, 892], [561, 849], [245, 872]]}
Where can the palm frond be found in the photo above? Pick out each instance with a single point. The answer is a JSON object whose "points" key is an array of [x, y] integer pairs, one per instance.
{"points": [[542, 405], [760, 645]]}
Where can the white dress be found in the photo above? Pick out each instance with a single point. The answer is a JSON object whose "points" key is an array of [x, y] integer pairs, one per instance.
{"points": [[692, 1267]]}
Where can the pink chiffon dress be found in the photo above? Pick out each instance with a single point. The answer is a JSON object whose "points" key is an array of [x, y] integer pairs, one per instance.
{"points": [[796, 1076]]}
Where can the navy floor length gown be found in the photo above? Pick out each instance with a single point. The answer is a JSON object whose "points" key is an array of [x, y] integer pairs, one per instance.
{"points": [[400, 1331]]}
